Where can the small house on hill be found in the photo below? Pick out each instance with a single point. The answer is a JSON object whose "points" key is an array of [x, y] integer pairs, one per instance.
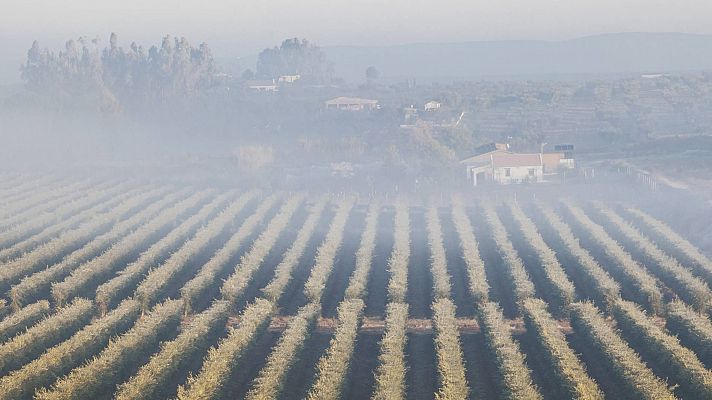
{"points": [[351, 104], [288, 78], [432, 106], [263, 85], [504, 167], [517, 168], [495, 163]]}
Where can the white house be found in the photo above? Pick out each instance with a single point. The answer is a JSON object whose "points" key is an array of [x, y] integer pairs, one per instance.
{"points": [[510, 168], [288, 78], [432, 106], [351, 104], [497, 164], [263, 86]]}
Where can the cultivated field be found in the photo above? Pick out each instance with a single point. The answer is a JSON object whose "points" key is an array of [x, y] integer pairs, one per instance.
{"points": [[127, 290]]}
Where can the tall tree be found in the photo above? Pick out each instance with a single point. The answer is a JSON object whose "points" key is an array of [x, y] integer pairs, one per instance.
{"points": [[117, 76], [372, 74], [295, 57]]}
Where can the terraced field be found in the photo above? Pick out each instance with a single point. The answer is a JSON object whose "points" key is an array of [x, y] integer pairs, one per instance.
{"points": [[121, 289]]}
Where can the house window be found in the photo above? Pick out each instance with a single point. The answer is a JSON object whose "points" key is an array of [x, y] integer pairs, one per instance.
{"points": [[532, 171], [507, 172]]}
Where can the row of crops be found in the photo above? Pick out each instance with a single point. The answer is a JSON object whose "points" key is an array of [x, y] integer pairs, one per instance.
{"points": [[119, 289]]}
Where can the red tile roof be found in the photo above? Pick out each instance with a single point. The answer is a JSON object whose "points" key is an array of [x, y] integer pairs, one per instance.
{"points": [[503, 160], [480, 158]]}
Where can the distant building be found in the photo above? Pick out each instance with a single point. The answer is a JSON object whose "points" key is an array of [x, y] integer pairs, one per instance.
{"points": [[566, 152], [479, 167], [351, 104], [551, 162], [510, 168], [288, 78], [653, 76], [410, 115], [263, 86], [432, 106], [496, 164]]}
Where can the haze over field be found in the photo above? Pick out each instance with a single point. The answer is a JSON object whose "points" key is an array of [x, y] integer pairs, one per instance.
{"points": [[348, 200]]}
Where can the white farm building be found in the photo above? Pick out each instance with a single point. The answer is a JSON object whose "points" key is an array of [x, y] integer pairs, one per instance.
{"points": [[496, 164]]}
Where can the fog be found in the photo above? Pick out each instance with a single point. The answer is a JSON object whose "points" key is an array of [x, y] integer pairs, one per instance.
{"points": [[242, 29], [176, 86], [258, 24], [348, 200]]}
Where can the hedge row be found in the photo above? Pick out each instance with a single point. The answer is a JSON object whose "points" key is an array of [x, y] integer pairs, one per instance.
{"points": [[87, 208], [64, 357], [682, 244], [36, 220], [314, 286], [283, 272], [693, 327], [119, 359], [617, 355], [22, 319], [364, 255], [607, 287], [69, 240], [333, 366], [451, 366], [691, 288], [514, 378], [269, 383], [221, 361], [152, 378], [207, 274], [559, 282], [54, 329], [121, 241], [400, 255], [234, 286], [438, 260], [559, 355], [390, 375], [644, 283], [109, 293], [63, 201], [28, 212], [665, 349], [154, 285], [523, 286], [69, 213], [479, 288]]}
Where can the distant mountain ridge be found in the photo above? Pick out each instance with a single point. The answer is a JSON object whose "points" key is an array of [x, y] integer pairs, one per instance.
{"points": [[616, 53], [606, 54]]}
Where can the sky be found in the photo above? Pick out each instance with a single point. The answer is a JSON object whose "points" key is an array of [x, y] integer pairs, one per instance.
{"points": [[243, 27]]}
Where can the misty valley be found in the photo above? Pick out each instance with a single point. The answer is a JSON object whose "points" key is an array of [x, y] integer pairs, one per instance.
{"points": [[377, 212]]}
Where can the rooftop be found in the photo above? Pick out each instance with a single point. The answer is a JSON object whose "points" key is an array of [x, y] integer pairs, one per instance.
{"points": [[350, 101], [255, 83], [500, 160]]}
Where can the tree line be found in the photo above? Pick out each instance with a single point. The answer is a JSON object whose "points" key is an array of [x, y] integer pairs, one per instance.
{"points": [[116, 78]]}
